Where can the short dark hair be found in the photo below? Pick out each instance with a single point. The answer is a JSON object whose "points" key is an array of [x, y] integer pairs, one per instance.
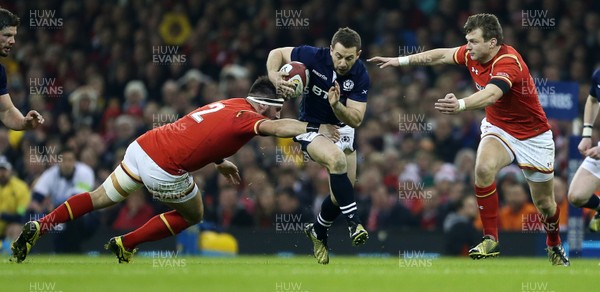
{"points": [[347, 37], [263, 87], [7, 19], [489, 25]]}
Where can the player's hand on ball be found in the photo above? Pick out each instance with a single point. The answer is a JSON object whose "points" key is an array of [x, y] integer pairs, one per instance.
{"points": [[334, 94], [330, 131], [383, 62], [285, 88], [584, 145], [33, 119], [448, 105], [230, 171]]}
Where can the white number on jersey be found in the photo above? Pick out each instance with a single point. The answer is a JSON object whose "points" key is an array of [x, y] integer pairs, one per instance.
{"points": [[197, 116]]}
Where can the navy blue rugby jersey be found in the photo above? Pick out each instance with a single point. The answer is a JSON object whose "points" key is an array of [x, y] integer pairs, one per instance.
{"points": [[314, 106], [595, 87]]}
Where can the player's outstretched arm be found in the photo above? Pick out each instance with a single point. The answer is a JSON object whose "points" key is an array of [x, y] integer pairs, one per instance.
{"points": [[427, 58], [451, 105], [589, 116], [277, 58], [288, 128], [13, 119]]}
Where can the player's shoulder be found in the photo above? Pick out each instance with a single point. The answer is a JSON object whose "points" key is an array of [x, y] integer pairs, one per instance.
{"points": [[596, 75], [361, 69]]}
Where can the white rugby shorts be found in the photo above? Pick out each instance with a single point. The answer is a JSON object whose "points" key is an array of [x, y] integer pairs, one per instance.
{"points": [[535, 156], [346, 141], [138, 167]]}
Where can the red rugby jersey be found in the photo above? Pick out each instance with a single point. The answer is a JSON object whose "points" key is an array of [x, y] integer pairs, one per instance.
{"points": [[518, 111], [208, 134]]}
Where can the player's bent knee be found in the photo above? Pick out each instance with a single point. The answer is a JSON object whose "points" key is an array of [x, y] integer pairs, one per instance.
{"points": [[484, 175], [546, 206], [336, 163], [577, 199]]}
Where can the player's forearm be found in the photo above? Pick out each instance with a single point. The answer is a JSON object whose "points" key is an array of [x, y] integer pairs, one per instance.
{"points": [[275, 60], [481, 99], [346, 115], [430, 58], [285, 128], [591, 110], [12, 118]]}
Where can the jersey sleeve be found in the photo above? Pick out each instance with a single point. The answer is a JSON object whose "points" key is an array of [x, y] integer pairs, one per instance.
{"points": [[460, 55], [595, 87], [3, 82], [360, 91], [505, 71], [304, 54], [247, 122]]}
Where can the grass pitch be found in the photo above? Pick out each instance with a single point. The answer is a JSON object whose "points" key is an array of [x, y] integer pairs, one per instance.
{"points": [[164, 272]]}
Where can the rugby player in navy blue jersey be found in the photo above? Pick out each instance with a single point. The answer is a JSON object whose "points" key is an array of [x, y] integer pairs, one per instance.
{"points": [[587, 178], [336, 94], [10, 116]]}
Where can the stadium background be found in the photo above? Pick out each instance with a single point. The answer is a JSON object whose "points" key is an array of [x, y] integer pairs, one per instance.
{"points": [[79, 62]]}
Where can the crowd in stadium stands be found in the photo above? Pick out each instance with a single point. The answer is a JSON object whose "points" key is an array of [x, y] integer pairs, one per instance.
{"points": [[114, 69]]}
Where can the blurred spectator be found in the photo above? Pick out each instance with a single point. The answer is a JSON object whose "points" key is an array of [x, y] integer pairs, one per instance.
{"points": [[229, 211], [385, 212], [14, 197], [61, 181], [459, 232], [69, 177], [288, 203], [517, 210], [134, 213]]}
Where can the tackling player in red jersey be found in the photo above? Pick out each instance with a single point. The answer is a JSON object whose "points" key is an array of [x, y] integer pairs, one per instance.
{"points": [[515, 126], [162, 159]]}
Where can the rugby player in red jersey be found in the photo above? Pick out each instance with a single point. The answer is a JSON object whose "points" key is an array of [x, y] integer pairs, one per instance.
{"points": [[162, 160], [515, 126]]}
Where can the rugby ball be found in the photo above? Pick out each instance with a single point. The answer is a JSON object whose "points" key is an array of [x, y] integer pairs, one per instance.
{"points": [[298, 74]]}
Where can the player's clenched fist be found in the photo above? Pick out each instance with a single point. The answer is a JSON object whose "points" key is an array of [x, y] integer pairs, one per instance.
{"points": [[33, 119], [447, 105]]}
